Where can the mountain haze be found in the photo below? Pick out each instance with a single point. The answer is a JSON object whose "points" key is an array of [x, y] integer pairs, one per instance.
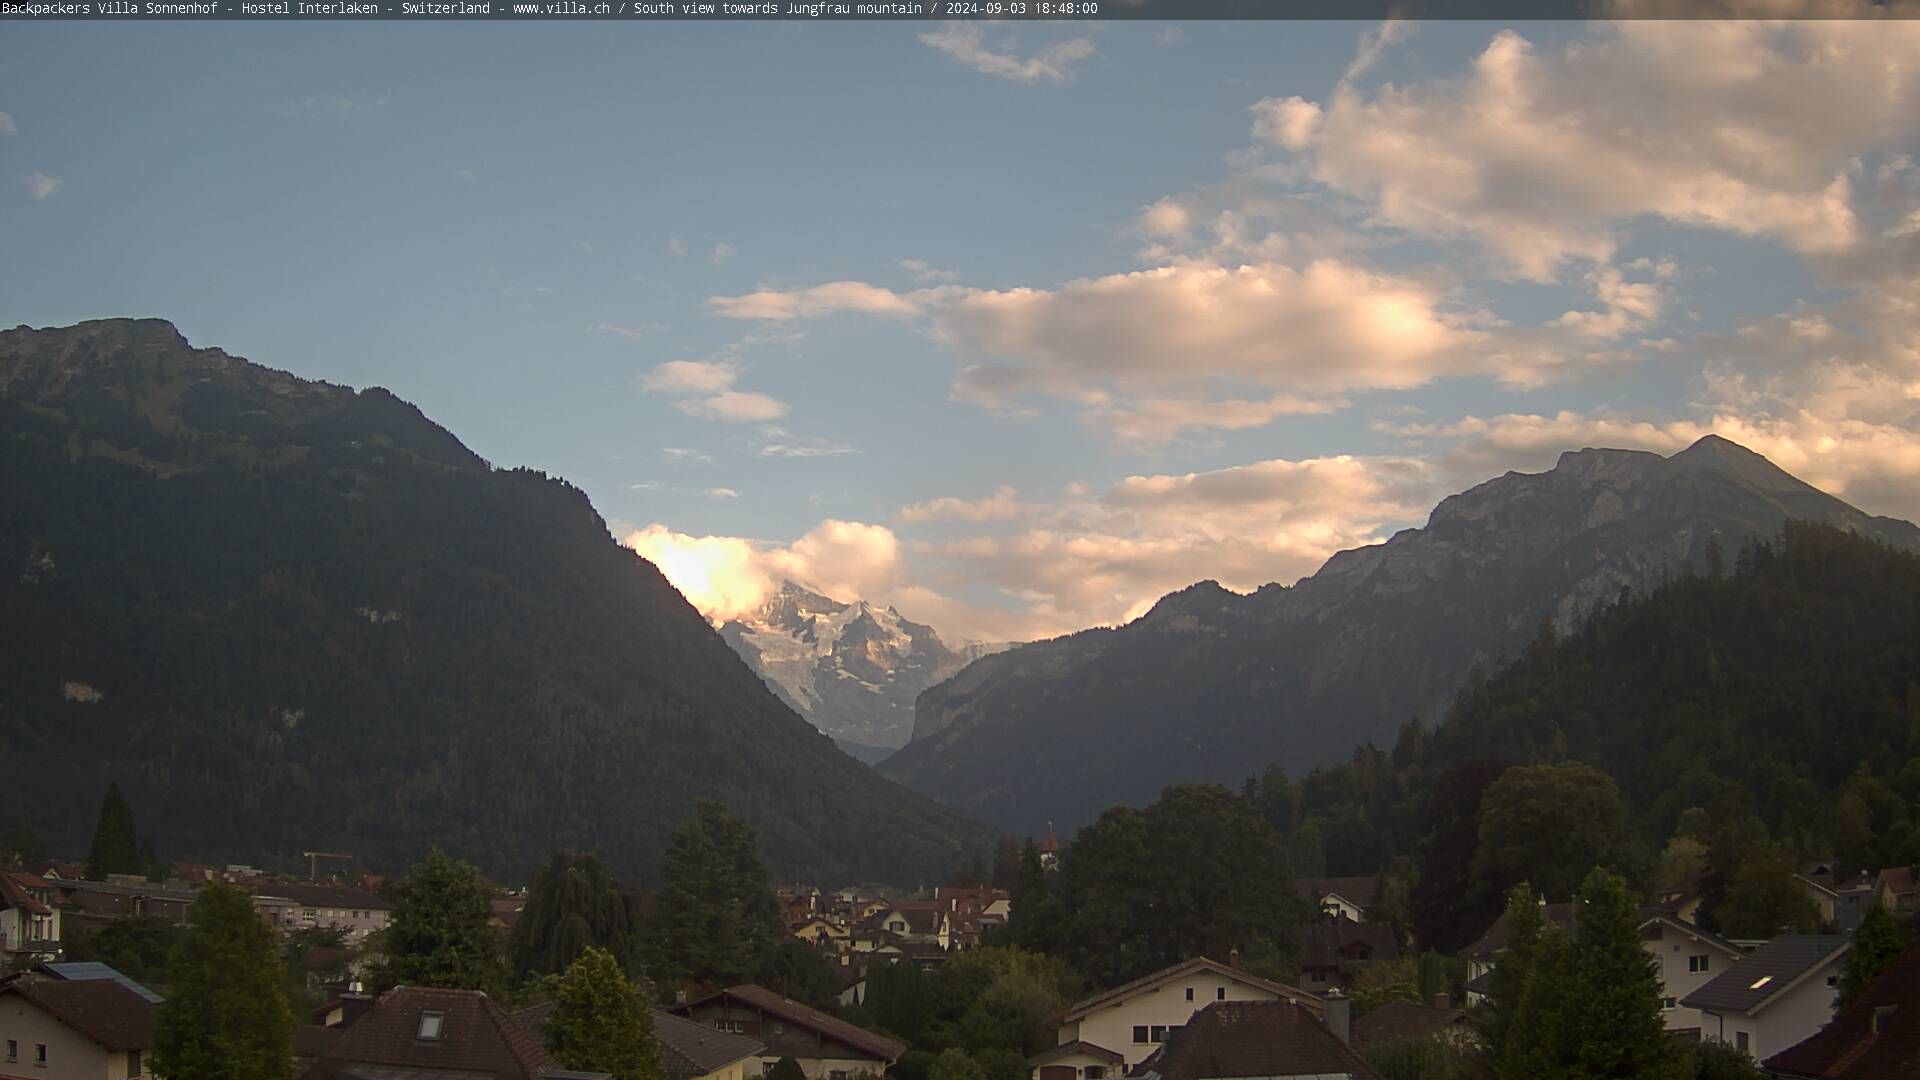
{"points": [[287, 615], [1211, 685], [852, 669]]}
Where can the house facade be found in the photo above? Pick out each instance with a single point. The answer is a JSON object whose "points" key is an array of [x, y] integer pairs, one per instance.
{"points": [[1132, 1021], [825, 1047], [1688, 958], [1779, 995], [53, 1029], [354, 912], [29, 923]]}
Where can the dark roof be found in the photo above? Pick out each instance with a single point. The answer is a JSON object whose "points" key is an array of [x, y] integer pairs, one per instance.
{"points": [[1068, 1049], [921, 916], [83, 971], [332, 896], [1361, 890], [1331, 943], [1700, 933], [1252, 1039], [888, 1050], [476, 1037], [1404, 1020], [1849, 1048], [16, 891], [311, 1040], [104, 1011], [690, 1049], [1561, 915], [1181, 970], [1747, 986]]}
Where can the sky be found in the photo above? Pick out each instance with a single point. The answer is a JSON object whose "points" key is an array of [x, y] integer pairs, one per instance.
{"points": [[1016, 328]]}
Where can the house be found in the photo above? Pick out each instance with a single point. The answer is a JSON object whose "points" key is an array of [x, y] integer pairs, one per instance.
{"points": [[29, 923], [82, 1029], [1049, 850], [1133, 1020], [101, 902], [1876, 1035], [819, 933], [504, 911], [917, 921], [1271, 1040], [354, 912], [826, 1047], [428, 1034], [1398, 1020], [1775, 997], [1898, 888], [692, 1051], [1349, 896], [1334, 951], [1688, 957]]}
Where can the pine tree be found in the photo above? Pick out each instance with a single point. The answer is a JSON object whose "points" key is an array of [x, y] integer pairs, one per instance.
{"points": [[439, 934], [1876, 944], [719, 920], [116, 849], [573, 903], [227, 1017], [1539, 1032], [601, 1022], [1512, 970], [1613, 1001]]}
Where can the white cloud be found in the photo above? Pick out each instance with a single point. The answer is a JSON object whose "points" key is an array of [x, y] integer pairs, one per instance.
{"points": [[691, 377], [967, 43], [631, 333], [7, 126], [39, 185], [1002, 505], [735, 405], [784, 444], [681, 453], [722, 493], [706, 391], [721, 253], [926, 273], [1748, 127], [818, 301], [727, 577], [676, 247]]}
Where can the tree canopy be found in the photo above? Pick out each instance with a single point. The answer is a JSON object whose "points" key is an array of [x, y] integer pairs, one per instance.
{"points": [[601, 1022], [226, 1017], [438, 935]]}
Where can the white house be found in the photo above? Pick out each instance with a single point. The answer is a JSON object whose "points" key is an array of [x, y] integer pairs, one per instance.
{"points": [[1689, 958], [29, 923], [1777, 996], [1108, 1034]]}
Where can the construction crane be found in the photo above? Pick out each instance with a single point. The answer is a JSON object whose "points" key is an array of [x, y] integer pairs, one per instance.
{"points": [[313, 861]]}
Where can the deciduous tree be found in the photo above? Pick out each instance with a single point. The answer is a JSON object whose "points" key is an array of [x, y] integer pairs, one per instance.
{"points": [[601, 1022], [226, 1017]]}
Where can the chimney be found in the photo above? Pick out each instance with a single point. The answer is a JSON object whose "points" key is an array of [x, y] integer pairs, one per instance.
{"points": [[679, 997], [1443, 1001], [1233, 959], [1339, 1015]]}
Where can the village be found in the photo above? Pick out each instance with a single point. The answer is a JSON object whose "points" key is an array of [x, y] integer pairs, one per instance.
{"points": [[1794, 1004]]}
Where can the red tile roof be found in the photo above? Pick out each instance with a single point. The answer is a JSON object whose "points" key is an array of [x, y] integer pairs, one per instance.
{"points": [[104, 1011], [16, 891], [888, 1050], [1850, 1048], [476, 1036]]}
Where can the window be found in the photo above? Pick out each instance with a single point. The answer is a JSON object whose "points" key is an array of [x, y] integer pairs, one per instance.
{"points": [[1139, 1033], [1697, 964], [1319, 976], [430, 1021], [40, 1054], [1189, 993], [13, 1049], [1159, 1033], [1220, 993], [1833, 980], [1669, 1003], [133, 1063], [1740, 1040], [1096, 1072]]}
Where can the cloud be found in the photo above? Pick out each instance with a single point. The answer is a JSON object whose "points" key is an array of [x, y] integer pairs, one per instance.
{"points": [[721, 253], [631, 333], [967, 43], [926, 273], [818, 301], [727, 577], [7, 126], [676, 247], [784, 444], [681, 453], [706, 391], [1748, 127], [1002, 505], [721, 493], [40, 185]]}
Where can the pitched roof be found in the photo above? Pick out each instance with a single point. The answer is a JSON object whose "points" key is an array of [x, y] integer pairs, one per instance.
{"points": [[1562, 915], [104, 1011], [15, 891], [323, 896], [888, 1050], [690, 1049], [1898, 880], [1748, 986], [1182, 970], [921, 916], [1404, 1020], [82, 971], [476, 1037], [1329, 943], [1068, 1049], [1693, 930], [1850, 1048], [1253, 1039], [1361, 890]]}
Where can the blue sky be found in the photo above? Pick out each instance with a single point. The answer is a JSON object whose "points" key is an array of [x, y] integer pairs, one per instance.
{"points": [[1014, 327]]}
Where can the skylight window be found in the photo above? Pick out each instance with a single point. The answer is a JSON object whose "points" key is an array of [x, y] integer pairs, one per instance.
{"points": [[1760, 982], [430, 1021]]}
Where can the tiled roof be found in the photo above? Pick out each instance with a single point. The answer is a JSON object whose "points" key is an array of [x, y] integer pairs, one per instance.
{"points": [[1331, 943], [888, 1050], [1746, 987], [15, 892], [476, 1036], [691, 1049], [1253, 1039], [1898, 880], [1179, 971], [1361, 890], [1562, 915], [1068, 1049], [1404, 1020], [1850, 1048], [104, 1011]]}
